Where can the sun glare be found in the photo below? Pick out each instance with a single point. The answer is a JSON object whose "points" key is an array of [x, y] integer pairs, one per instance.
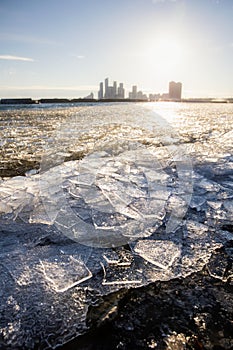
{"points": [[167, 50], [165, 54]]}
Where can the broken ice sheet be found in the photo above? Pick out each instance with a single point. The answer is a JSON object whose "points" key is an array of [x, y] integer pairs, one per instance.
{"points": [[173, 223], [214, 205], [198, 246], [159, 253], [156, 175], [115, 191], [95, 198], [89, 167], [177, 205], [66, 218], [118, 257], [5, 208], [217, 265], [197, 202], [120, 275], [15, 195], [20, 266], [228, 204], [151, 209], [196, 255], [44, 212], [64, 272], [196, 231], [208, 186], [158, 191], [86, 179], [108, 221], [120, 270], [218, 217]]}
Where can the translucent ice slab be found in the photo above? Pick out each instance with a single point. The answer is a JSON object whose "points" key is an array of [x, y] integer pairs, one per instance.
{"points": [[64, 272], [159, 253]]}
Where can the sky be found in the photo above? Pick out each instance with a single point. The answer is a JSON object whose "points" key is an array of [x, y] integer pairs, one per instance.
{"points": [[64, 48]]}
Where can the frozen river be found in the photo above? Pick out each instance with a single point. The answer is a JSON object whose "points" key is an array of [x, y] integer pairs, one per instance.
{"points": [[107, 196]]}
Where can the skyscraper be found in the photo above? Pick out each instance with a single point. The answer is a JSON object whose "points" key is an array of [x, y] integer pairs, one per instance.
{"points": [[175, 91], [134, 92], [114, 89], [121, 91], [106, 95], [111, 92], [101, 91], [137, 95]]}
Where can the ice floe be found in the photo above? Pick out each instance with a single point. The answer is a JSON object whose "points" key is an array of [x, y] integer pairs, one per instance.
{"points": [[136, 207]]}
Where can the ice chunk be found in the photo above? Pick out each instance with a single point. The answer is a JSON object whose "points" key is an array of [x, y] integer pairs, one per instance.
{"points": [[109, 221], [44, 214], [156, 175], [111, 257], [159, 253], [218, 216], [151, 209], [20, 265], [214, 205], [177, 205], [16, 194], [115, 275], [64, 272], [196, 231], [122, 194], [173, 224], [209, 186], [115, 191], [120, 257], [159, 192], [198, 246], [197, 202], [228, 204], [217, 266], [5, 208], [119, 278]]}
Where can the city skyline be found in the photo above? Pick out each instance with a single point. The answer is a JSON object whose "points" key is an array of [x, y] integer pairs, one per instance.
{"points": [[62, 49], [115, 92], [110, 93]]}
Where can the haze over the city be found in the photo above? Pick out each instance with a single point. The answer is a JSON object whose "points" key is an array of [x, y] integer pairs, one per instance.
{"points": [[52, 48]]}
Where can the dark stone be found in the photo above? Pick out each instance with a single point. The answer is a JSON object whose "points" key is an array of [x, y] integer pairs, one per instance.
{"points": [[193, 313]]}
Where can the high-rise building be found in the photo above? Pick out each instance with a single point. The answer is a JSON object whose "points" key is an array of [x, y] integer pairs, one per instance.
{"points": [[121, 91], [114, 89], [134, 92], [175, 91], [106, 95], [136, 95], [101, 91], [111, 92], [154, 97]]}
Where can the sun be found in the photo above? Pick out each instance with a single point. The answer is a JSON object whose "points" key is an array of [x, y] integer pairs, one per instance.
{"points": [[166, 55], [166, 51]]}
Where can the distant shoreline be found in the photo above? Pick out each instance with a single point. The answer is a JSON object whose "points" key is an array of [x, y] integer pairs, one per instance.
{"points": [[30, 101]]}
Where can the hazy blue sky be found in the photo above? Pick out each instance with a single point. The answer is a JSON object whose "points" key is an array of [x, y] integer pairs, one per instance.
{"points": [[66, 47]]}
